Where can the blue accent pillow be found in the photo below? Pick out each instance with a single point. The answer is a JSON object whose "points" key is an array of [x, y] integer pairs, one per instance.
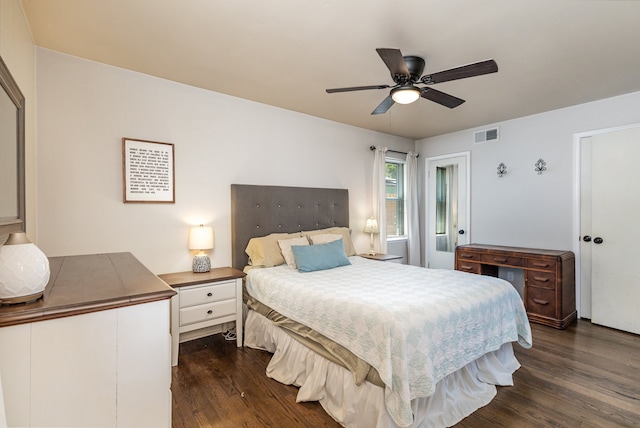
{"points": [[310, 258]]}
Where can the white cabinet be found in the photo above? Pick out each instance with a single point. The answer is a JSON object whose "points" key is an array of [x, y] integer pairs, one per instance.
{"points": [[108, 368], [95, 351]]}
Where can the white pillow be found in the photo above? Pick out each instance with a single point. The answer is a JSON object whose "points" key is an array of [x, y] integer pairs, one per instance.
{"points": [[285, 247], [324, 238]]}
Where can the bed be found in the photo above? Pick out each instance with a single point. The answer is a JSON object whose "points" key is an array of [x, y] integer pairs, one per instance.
{"points": [[377, 344]]}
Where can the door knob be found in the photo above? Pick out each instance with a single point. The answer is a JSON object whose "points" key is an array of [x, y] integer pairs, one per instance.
{"points": [[586, 238], [461, 232], [598, 240]]}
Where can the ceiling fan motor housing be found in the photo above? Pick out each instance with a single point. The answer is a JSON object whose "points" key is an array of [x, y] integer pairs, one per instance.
{"points": [[415, 65]]}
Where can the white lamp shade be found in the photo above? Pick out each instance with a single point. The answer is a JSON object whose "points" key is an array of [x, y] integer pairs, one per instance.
{"points": [[371, 226], [201, 238], [24, 270]]}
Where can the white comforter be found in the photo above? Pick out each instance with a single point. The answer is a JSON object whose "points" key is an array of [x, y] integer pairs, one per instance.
{"points": [[414, 325]]}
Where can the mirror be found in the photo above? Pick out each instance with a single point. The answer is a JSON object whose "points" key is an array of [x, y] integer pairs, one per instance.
{"points": [[12, 177]]}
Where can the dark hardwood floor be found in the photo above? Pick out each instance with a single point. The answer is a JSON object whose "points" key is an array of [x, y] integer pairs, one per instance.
{"points": [[584, 376]]}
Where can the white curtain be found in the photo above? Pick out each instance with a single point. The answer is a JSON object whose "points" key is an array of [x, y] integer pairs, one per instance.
{"points": [[379, 210], [413, 220]]}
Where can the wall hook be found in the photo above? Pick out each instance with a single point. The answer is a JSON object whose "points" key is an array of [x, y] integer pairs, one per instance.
{"points": [[502, 169], [541, 165]]}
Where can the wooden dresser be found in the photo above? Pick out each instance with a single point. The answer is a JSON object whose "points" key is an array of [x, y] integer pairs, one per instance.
{"points": [[549, 278]]}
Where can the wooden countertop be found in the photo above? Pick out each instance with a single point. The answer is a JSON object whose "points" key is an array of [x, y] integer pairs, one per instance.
{"points": [[89, 283]]}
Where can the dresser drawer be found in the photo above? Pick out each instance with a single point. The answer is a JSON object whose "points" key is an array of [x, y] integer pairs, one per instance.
{"points": [[502, 260], [465, 266], [541, 301], [207, 312], [541, 264], [541, 279], [207, 293], [467, 255]]}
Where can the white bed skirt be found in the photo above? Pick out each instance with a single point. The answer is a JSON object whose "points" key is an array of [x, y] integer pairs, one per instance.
{"points": [[456, 396]]}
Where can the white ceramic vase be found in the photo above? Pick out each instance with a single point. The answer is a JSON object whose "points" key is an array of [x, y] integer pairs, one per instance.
{"points": [[24, 270]]}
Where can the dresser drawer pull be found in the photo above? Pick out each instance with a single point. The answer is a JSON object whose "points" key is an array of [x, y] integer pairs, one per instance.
{"points": [[209, 312], [541, 302], [499, 260], [466, 267], [538, 278], [542, 265], [466, 256], [209, 294]]}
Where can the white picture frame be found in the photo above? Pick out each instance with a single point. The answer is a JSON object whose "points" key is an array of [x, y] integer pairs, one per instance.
{"points": [[148, 171]]}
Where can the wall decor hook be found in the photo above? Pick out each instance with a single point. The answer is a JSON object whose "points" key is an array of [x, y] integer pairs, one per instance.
{"points": [[541, 165], [502, 169]]}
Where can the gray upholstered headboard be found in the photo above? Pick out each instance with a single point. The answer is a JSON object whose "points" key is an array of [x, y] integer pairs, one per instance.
{"points": [[261, 210]]}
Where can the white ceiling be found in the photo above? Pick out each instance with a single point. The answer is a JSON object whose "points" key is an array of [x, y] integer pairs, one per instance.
{"points": [[550, 53]]}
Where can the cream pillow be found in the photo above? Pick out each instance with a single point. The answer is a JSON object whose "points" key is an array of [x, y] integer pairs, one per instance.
{"points": [[342, 231], [324, 238], [264, 251], [287, 253]]}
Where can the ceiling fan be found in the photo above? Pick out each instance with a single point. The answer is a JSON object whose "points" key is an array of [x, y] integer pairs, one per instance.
{"points": [[406, 72]]}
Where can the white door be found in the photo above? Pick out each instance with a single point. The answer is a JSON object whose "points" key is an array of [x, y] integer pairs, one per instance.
{"points": [[610, 231], [447, 208]]}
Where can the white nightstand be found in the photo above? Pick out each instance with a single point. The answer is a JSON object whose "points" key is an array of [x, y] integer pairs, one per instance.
{"points": [[205, 301]]}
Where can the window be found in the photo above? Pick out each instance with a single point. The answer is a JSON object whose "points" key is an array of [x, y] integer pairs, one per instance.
{"points": [[394, 178]]}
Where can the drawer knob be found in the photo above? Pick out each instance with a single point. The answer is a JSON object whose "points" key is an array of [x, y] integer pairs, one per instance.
{"points": [[467, 267], [209, 294], [537, 278], [209, 311], [499, 260]]}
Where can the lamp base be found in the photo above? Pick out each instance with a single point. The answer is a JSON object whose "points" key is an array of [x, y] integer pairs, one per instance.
{"points": [[201, 264], [21, 299]]}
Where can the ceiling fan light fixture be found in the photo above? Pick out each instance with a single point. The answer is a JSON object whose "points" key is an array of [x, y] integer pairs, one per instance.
{"points": [[405, 94]]}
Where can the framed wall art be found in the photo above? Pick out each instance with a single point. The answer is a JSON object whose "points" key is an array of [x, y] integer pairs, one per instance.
{"points": [[148, 171]]}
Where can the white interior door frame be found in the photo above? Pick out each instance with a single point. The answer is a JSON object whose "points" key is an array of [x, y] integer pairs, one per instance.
{"points": [[427, 217], [577, 153]]}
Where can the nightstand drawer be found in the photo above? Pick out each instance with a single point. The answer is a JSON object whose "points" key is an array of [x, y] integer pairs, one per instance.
{"points": [[208, 312], [207, 293]]}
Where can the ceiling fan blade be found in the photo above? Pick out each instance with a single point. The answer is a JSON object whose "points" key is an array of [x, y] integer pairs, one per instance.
{"points": [[470, 70], [394, 61], [384, 106], [441, 98], [356, 88]]}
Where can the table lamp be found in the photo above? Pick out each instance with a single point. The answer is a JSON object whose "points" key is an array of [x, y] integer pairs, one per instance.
{"points": [[24, 270], [371, 227], [201, 238]]}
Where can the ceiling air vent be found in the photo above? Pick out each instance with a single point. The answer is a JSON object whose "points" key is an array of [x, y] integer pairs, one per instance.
{"points": [[485, 135]]}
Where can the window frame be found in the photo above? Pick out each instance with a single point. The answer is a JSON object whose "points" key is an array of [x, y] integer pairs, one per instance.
{"points": [[403, 190]]}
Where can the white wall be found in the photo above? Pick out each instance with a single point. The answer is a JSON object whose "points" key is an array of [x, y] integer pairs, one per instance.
{"points": [[86, 108], [17, 51], [522, 208]]}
